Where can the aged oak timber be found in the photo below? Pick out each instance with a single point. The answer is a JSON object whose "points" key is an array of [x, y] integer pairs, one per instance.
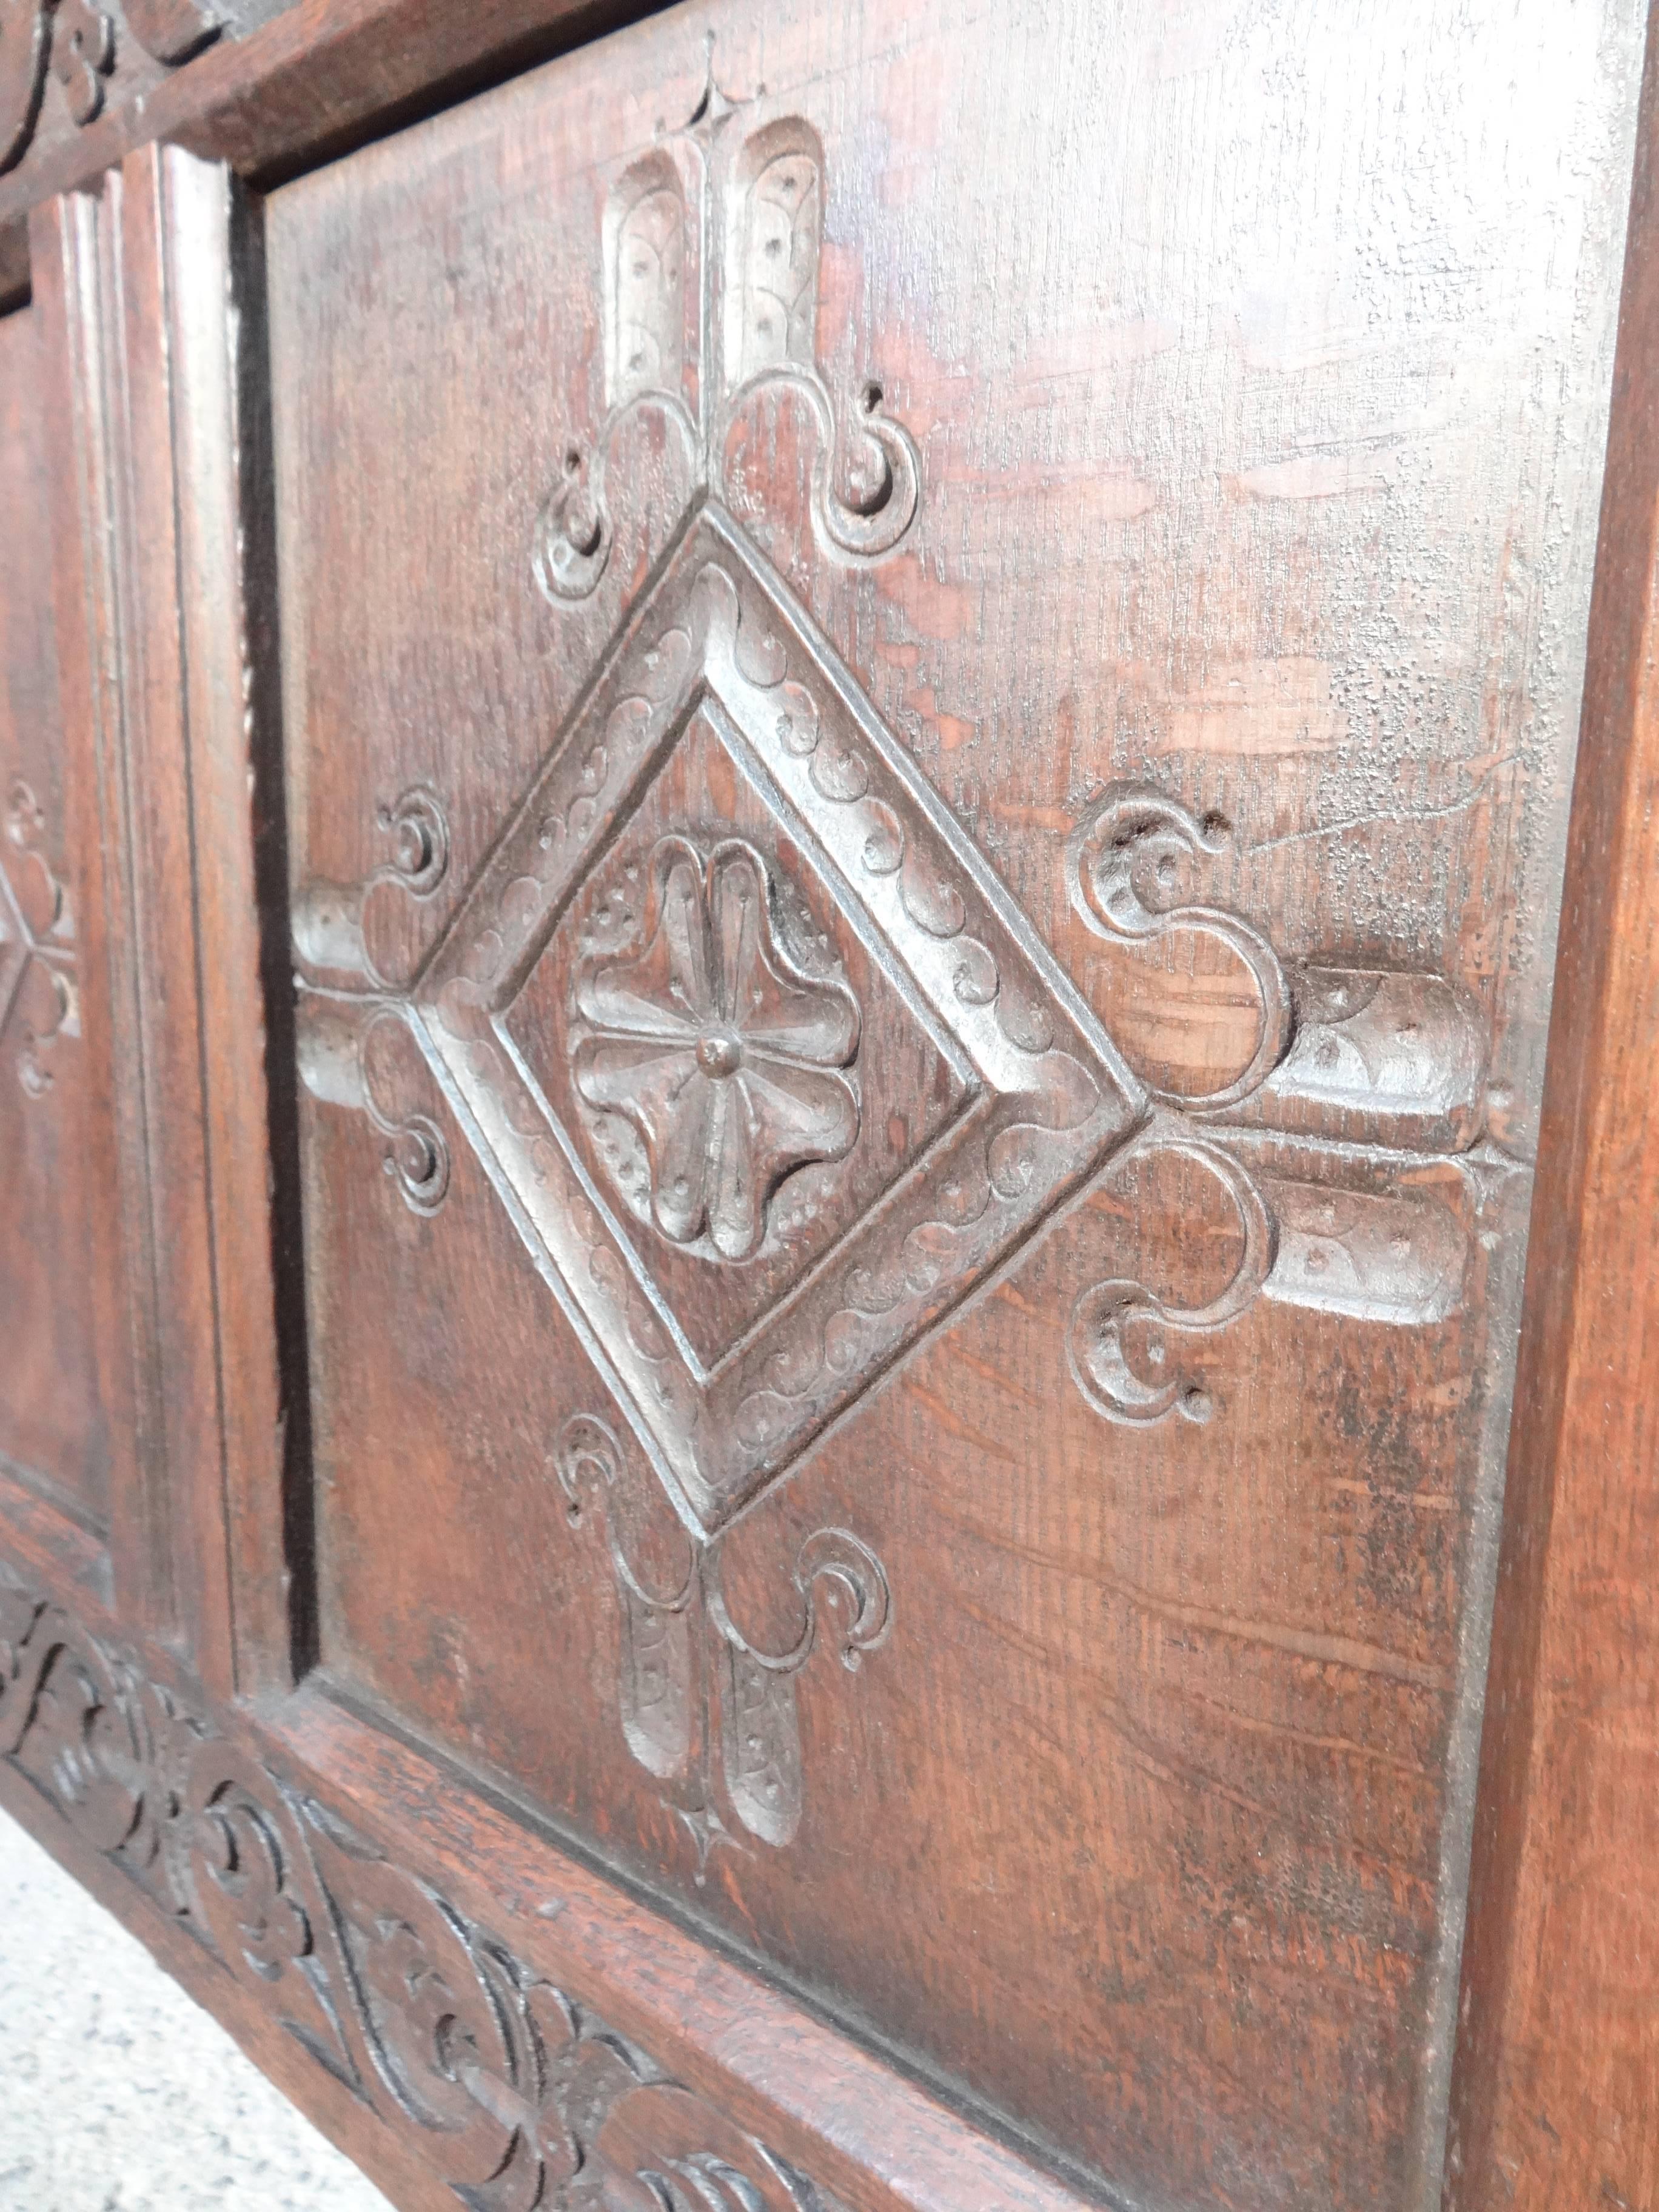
{"points": [[784, 796]]}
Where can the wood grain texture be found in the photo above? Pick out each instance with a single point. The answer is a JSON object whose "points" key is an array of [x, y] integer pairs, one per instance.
{"points": [[65, 64], [1163, 514], [53, 1422], [1557, 2095], [139, 298], [306, 81], [811, 776]]}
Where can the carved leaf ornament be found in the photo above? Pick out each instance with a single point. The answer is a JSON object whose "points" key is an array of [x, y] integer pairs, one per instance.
{"points": [[517, 2097]]}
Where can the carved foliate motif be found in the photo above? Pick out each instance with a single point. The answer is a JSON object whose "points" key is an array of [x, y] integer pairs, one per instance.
{"points": [[726, 1057], [40, 1005], [517, 2097]]}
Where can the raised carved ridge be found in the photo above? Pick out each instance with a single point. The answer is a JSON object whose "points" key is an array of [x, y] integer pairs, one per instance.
{"points": [[39, 1003], [513, 2093], [719, 644]]}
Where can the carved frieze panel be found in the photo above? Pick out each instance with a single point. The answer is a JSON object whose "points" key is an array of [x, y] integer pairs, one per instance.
{"points": [[765, 1066], [1177, 1462], [515, 2095]]}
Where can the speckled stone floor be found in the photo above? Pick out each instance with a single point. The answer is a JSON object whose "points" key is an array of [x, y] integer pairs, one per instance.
{"points": [[120, 2095]]}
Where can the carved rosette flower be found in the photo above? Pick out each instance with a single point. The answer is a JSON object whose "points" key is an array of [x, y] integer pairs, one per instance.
{"points": [[725, 1057]]}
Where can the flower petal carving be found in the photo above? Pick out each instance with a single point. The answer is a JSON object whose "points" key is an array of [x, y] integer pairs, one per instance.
{"points": [[724, 1055]]}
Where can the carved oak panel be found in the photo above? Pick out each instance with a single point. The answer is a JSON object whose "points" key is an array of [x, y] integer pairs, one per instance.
{"points": [[50, 1422], [921, 912]]}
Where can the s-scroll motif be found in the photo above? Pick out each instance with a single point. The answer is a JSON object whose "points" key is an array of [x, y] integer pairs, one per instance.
{"points": [[694, 338], [345, 1049], [1125, 857], [1387, 1065], [508, 2090], [331, 922], [76, 39]]}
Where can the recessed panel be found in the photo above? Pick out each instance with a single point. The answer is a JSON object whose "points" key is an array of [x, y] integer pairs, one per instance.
{"points": [[931, 670]]}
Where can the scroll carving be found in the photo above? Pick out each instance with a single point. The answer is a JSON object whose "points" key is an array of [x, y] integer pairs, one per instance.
{"points": [[513, 2093], [25, 47], [701, 1705], [333, 923], [696, 339], [39, 1004], [1389, 1062], [77, 42], [344, 1052], [82, 56]]}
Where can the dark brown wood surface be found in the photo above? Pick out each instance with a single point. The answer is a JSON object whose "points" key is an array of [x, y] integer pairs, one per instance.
{"points": [[1169, 590], [139, 303], [812, 776], [51, 1419], [1557, 2095]]}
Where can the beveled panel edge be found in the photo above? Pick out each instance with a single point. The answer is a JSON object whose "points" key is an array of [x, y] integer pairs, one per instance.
{"points": [[604, 2040]]}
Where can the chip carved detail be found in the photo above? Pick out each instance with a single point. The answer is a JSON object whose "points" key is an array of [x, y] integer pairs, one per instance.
{"points": [[40, 1001], [702, 1705], [710, 248], [514, 2093]]}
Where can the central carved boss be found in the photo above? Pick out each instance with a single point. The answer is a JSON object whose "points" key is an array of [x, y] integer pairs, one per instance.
{"points": [[721, 1055]]}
